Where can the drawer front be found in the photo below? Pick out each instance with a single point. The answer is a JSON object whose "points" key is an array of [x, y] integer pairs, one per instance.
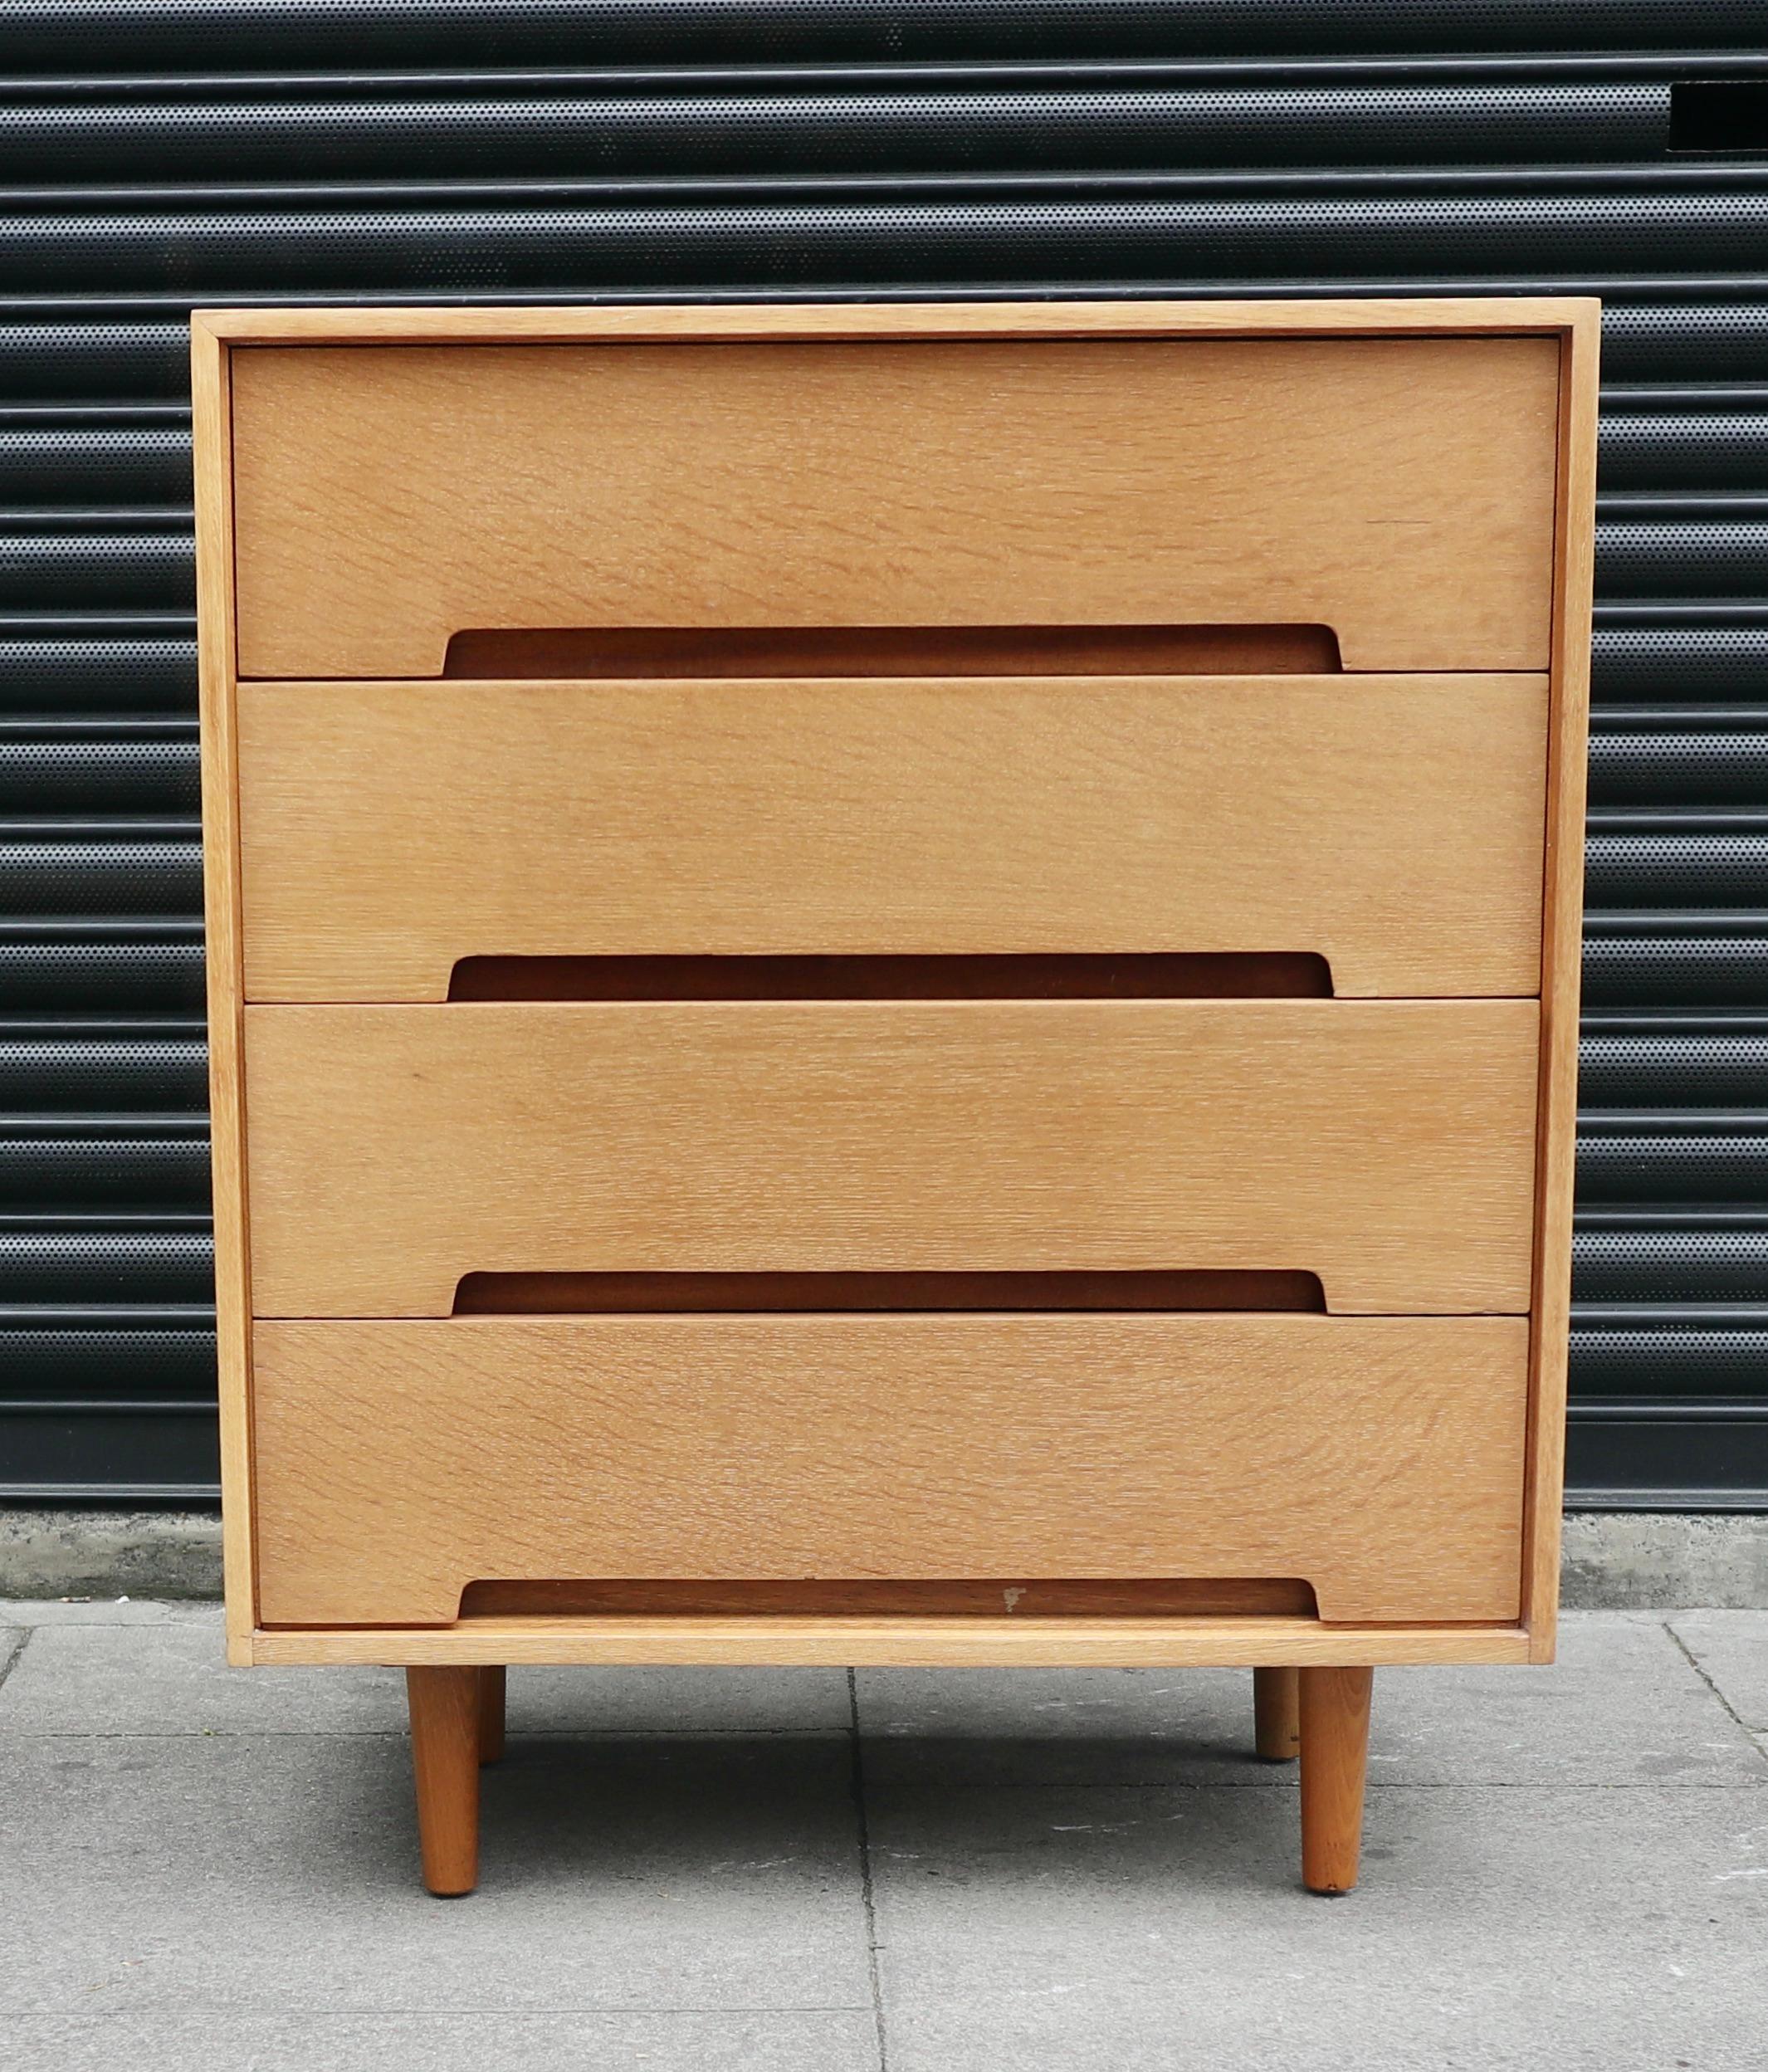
{"points": [[1378, 1460], [1392, 825], [1398, 490], [1387, 1146]]}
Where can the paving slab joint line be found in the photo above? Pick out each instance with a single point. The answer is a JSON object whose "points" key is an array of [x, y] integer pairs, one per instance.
{"points": [[1730, 1710], [14, 1652], [868, 1898]]}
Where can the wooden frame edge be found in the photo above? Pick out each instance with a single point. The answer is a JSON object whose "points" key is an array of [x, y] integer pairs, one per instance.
{"points": [[900, 1642], [211, 430], [1575, 320], [583, 323], [1562, 949]]}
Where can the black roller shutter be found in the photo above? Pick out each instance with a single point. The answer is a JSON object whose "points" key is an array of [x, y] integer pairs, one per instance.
{"points": [[165, 152]]}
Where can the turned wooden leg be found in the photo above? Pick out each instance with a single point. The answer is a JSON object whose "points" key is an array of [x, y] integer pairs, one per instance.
{"points": [[490, 1715], [445, 1760], [1276, 1721], [1335, 1758]]}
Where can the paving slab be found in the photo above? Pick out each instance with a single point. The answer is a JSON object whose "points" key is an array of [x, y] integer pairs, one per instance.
{"points": [[171, 1677], [695, 1874], [170, 2041], [1618, 1707], [985, 1727], [1566, 1866], [662, 1701], [1622, 1703], [1604, 1930], [1730, 1649]]}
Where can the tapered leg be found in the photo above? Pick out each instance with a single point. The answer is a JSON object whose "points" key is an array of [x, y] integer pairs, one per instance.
{"points": [[1276, 1722], [490, 1715], [445, 1760], [1335, 1758]]}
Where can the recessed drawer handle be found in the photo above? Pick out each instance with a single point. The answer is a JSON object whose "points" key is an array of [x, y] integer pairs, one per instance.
{"points": [[1029, 1597], [1037, 975], [495, 651], [598, 1294]]}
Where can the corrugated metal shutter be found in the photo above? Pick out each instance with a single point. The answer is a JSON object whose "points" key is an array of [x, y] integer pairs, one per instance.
{"points": [[158, 153]]}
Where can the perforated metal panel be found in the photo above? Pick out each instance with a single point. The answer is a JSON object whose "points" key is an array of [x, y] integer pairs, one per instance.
{"points": [[164, 152]]}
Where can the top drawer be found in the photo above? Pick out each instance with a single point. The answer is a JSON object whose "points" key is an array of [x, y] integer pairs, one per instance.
{"points": [[1398, 490]]}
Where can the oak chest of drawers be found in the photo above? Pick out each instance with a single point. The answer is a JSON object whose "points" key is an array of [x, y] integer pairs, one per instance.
{"points": [[895, 985]]}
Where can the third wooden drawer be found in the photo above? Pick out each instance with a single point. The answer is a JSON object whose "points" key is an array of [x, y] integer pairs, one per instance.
{"points": [[1387, 1146]]}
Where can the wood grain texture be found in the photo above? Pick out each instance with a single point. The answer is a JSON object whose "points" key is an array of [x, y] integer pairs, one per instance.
{"points": [[1561, 970], [1393, 825], [492, 1695], [1203, 975], [896, 1643], [580, 1294], [444, 1705], [1264, 1642], [211, 431], [976, 1597], [497, 655], [1367, 316], [901, 1447], [1399, 492], [1387, 1146], [1276, 1717], [1334, 1711]]}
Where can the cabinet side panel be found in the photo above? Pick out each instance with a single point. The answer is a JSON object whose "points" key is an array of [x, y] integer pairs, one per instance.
{"points": [[1562, 944], [211, 427]]}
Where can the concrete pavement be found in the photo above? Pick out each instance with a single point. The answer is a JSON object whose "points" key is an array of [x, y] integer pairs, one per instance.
{"points": [[931, 1872]]}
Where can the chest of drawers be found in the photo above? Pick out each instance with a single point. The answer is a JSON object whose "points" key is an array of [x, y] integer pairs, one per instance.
{"points": [[894, 985]]}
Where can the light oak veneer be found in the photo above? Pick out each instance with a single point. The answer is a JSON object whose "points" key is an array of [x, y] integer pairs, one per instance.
{"points": [[1400, 492], [428, 541], [767, 1447], [840, 1640], [1393, 825], [1386, 1145]]}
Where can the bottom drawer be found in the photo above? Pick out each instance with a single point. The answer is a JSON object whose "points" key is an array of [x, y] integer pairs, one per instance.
{"points": [[1378, 1459]]}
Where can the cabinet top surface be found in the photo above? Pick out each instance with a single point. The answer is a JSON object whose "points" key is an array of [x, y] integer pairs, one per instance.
{"points": [[1378, 316]]}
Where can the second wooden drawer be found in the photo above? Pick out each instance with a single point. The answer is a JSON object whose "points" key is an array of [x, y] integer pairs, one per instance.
{"points": [[1391, 824], [1387, 1146]]}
